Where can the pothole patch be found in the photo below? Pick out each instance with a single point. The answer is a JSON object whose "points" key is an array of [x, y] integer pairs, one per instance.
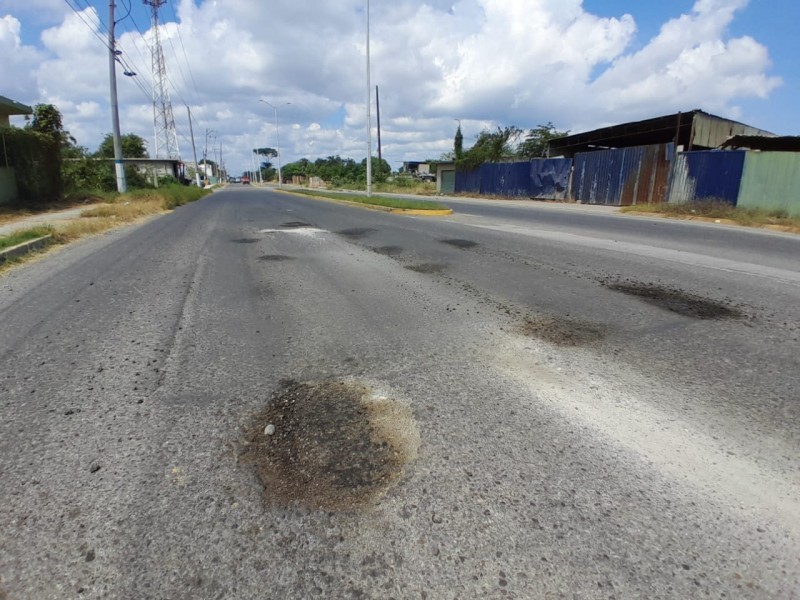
{"points": [[275, 257], [332, 445], [678, 301], [295, 224], [564, 331], [245, 241], [356, 232], [388, 250], [458, 243], [427, 268]]}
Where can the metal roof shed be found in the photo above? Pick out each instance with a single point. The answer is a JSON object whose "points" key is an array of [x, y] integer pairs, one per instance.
{"points": [[693, 130]]}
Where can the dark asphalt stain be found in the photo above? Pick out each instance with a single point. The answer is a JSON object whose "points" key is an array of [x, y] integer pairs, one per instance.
{"points": [[388, 250], [428, 268], [563, 331], [296, 224], [333, 446], [275, 257], [245, 241], [678, 301], [356, 232], [463, 244]]}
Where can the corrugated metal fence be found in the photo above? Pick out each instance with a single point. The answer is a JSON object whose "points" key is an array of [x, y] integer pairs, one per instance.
{"points": [[637, 175], [540, 178], [707, 176], [771, 180], [648, 174]]}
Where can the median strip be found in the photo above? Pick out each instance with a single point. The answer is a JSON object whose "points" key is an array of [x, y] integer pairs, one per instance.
{"points": [[425, 208]]}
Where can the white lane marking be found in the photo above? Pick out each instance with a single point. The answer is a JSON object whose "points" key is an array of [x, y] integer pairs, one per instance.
{"points": [[307, 231]]}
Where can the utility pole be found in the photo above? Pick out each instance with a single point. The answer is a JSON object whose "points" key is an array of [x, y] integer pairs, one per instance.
{"points": [[369, 117], [194, 149], [205, 155], [119, 166], [378, 115]]}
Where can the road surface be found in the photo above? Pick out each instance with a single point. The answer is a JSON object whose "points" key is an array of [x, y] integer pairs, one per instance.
{"points": [[267, 396]]}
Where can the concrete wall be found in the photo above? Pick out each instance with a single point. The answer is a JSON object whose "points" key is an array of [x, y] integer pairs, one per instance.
{"points": [[8, 185]]}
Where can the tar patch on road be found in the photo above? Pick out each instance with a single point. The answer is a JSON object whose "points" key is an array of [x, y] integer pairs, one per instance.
{"points": [[245, 241], [463, 244], [330, 445], [295, 224], [427, 268], [388, 250], [356, 232], [564, 331], [275, 257], [678, 301]]}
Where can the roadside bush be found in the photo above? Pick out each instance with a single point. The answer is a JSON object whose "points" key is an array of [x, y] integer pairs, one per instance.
{"points": [[36, 160]]}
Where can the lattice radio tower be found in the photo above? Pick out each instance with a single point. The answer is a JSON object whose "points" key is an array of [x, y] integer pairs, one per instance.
{"points": [[166, 136]]}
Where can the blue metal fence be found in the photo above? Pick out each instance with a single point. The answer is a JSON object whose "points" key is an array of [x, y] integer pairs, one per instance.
{"points": [[540, 178], [707, 176]]}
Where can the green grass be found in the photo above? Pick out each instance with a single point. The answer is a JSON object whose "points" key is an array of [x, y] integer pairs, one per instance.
{"points": [[24, 235], [753, 217], [377, 200]]}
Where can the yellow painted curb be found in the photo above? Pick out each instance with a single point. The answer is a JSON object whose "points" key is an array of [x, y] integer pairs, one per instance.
{"points": [[422, 213], [415, 212]]}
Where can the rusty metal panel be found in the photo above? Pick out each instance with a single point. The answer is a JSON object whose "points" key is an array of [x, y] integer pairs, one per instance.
{"points": [[707, 176], [771, 180], [622, 176]]}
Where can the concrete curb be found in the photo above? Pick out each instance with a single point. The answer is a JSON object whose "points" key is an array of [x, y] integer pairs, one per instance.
{"points": [[24, 248], [387, 209]]}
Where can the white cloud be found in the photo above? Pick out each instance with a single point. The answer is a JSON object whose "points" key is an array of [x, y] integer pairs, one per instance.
{"points": [[486, 62], [18, 63]]}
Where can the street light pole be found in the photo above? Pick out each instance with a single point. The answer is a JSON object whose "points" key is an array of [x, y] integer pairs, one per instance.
{"points": [[369, 116], [277, 141]]}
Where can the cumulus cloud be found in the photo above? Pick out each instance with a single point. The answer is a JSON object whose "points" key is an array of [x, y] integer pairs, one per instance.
{"points": [[19, 62], [485, 62]]}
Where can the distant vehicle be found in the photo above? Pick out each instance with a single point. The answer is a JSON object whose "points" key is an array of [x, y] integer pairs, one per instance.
{"points": [[427, 177], [245, 181]]}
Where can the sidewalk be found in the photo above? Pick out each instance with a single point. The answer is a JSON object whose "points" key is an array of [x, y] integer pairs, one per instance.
{"points": [[42, 219]]}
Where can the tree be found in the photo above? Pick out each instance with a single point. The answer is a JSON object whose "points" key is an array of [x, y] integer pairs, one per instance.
{"points": [[458, 143], [535, 143], [133, 146], [266, 152], [491, 146]]}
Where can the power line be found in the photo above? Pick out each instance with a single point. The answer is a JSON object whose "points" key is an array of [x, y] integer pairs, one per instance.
{"points": [[94, 29]]}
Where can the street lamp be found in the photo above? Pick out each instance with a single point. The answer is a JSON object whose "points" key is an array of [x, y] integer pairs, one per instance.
{"points": [[369, 116], [277, 140]]}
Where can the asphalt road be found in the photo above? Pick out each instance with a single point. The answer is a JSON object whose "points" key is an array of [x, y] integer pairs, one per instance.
{"points": [[517, 401]]}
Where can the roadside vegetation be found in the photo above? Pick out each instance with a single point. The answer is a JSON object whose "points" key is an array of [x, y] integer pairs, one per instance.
{"points": [[26, 235], [721, 211], [401, 203], [54, 173], [114, 211]]}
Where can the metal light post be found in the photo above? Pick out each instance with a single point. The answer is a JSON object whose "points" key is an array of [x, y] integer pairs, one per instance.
{"points": [[277, 140], [369, 116]]}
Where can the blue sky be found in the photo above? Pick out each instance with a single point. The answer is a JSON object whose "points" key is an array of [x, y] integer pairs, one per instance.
{"points": [[488, 63], [774, 23]]}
